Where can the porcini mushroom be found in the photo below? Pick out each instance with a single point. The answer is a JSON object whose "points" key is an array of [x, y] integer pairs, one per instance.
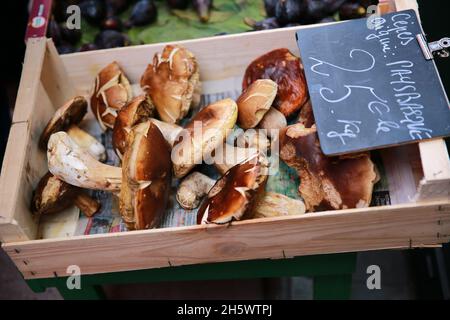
{"points": [[201, 136], [235, 193], [53, 195], [193, 189], [173, 82], [286, 70], [255, 101], [138, 110], [327, 183], [74, 165], [67, 118], [146, 176], [306, 115], [111, 92], [273, 121]]}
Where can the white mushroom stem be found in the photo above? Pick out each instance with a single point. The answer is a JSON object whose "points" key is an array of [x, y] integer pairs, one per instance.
{"points": [[74, 165], [193, 189], [87, 142], [168, 130], [274, 204], [196, 186], [273, 121]]}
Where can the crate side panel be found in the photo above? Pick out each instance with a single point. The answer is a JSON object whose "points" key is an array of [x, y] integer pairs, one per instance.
{"points": [[319, 233]]}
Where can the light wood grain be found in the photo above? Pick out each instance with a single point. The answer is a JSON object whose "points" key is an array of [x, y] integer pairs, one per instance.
{"points": [[55, 78], [401, 226]]}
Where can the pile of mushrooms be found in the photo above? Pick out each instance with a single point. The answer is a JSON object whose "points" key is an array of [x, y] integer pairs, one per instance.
{"points": [[154, 148]]}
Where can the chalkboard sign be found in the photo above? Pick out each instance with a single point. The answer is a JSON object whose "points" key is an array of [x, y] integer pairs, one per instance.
{"points": [[370, 85]]}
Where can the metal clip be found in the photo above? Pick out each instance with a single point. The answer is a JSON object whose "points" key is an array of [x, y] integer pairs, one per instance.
{"points": [[439, 48]]}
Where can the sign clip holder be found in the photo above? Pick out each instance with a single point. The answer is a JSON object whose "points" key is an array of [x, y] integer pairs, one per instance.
{"points": [[429, 49]]}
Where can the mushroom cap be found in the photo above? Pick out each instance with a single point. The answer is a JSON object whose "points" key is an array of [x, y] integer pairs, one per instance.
{"points": [[138, 110], [111, 92], [52, 195], [146, 177], [286, 70], [205, 132], [255, 101], [234, 195], [72, 112], [172, 81], [327, 183], [306, 115]]}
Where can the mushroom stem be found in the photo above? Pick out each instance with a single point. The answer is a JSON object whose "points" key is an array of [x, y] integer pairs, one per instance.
{"points": [[74, 165], [273, 204], [86, 204], [193, 189], [87, 142], [227, 156], [273, 121]]}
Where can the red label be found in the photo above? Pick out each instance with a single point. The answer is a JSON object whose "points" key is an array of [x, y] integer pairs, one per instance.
{"points": [[38, 20]]}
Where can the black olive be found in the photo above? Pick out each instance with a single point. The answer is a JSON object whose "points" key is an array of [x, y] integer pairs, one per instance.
{"points": [[144, 12], [72, 36], [203, 8], [178, 4], [111, 39], [115, 7], [94, 11], [54, 32], [316, 10], [269, 5], [287, 11], [266, 24], [88, 47], [65, 48], [112, 23], [293, 24], [351, 11]]}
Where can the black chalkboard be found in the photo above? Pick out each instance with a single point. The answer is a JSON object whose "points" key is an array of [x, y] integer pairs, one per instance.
{"points": [[370, 85]]}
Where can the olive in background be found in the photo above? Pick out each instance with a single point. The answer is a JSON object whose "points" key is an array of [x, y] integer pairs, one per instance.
{"points": [[88, 47], [144, 12], [115, 7], [351, 10], [59, 9], [288, 11], [94, 11], [269, 5], [178, 4], [266, 24], [111, 39], [54, 32], [203, 9], [112, 23], [72, 36], [316, 10], [65, 48]]}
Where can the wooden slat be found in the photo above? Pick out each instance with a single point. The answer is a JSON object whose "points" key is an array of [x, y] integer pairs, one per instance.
{"points": [[29, 81], [24, 164], [339, 231], [55, 78], [220, 57]]}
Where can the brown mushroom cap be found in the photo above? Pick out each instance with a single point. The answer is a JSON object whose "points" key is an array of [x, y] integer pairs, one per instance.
{"points": [[255, 101], [327, 183], [146, 178], [306, 115], [215, 122], [235, 194], [72, 112], [286, 70], [52, 195], [172, 82], [136, 111], [111, 92]]}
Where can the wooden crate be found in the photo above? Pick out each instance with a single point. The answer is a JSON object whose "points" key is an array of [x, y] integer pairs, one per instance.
{"points": [[420, 189]]}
